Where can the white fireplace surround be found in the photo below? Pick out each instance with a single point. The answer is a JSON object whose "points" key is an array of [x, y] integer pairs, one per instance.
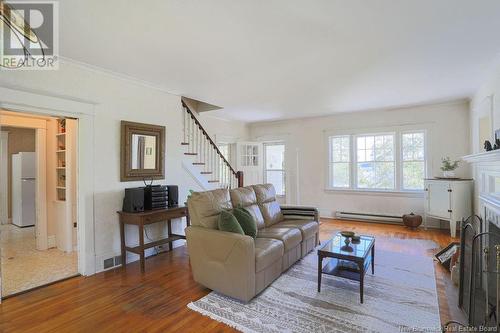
{"points": [[486, 174]]}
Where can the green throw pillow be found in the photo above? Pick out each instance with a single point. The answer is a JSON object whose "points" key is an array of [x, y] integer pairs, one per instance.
{"points": [[227, 222], [246, 221]]}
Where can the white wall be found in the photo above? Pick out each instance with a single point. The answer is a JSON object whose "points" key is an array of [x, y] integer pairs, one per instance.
{"points": [[485, 100], [116, 99], [306, 153], [490, 89], [223, 130]]}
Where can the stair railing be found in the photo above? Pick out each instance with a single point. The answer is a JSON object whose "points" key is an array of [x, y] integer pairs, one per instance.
{"points": [[213, 163]]}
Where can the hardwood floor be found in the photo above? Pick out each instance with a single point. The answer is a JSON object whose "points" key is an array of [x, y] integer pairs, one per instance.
{"points": [[128, 301]]}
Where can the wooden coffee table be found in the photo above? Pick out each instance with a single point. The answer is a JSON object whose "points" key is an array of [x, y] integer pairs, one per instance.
{"points": [[349, 262]]}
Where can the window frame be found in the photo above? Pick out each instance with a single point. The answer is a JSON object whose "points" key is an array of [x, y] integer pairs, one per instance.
{"points": [[264, 164], [397, 132]]}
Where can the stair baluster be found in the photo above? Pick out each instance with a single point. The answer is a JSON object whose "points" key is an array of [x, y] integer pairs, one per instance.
{"points": [[213, 164]]}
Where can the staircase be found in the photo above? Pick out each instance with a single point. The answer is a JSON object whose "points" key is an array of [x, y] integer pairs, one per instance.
{"points": [[205, 159]]}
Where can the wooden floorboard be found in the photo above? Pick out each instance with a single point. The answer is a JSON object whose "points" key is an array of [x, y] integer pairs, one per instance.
{"points": [[128, 301]]}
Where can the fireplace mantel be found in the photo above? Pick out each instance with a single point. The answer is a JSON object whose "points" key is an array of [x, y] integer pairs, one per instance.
{"points": [[487, 156]]}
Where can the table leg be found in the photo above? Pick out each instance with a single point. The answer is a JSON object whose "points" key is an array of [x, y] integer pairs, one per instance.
{"points": [[169, 226], [320, 268], [373, 259], [141, 247], [122, 238], [361, 281]]}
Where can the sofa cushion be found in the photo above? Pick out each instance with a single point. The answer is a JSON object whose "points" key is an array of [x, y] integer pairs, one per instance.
{"points": [[245, 197], [205, 207], [246, 221], [307, 228], [228, 222], [290, 237], [267, 252], [269, 207]]}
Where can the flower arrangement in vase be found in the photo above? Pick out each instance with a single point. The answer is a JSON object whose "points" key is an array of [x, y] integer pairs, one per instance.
{"points": [[448, 167]]}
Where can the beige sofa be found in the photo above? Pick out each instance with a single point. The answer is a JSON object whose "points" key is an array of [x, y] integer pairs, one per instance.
{"points": [[237, 265]]}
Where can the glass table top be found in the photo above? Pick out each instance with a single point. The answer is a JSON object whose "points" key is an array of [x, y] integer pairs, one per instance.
{"points": [[337, 245]]}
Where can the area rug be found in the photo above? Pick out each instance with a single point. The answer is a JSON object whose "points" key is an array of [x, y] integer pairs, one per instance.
{"points": [[400, 297]]}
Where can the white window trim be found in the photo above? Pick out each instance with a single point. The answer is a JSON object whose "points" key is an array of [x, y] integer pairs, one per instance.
{"points": [[398, 175], [264, 163]]}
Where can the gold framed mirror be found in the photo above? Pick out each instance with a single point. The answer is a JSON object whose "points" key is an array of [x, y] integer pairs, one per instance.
{"points": [[142, 151]]}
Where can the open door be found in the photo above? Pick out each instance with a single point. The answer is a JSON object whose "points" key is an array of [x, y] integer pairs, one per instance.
{"points": [[249, 160]]}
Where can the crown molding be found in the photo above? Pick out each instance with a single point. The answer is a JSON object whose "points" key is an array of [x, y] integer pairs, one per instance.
{"points": [[117, 75]]}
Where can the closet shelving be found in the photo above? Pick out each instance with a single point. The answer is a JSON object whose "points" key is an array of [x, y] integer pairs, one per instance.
{"points": [[61, 160]]}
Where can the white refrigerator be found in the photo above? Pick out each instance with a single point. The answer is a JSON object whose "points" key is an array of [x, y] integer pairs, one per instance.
{"points": [[23, 189]]}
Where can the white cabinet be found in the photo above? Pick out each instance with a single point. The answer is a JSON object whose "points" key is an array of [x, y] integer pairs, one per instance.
{"points": [[449, 200]]}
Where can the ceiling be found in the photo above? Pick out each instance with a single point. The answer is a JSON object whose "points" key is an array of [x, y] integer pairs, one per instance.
{"points": [[265, 60]]}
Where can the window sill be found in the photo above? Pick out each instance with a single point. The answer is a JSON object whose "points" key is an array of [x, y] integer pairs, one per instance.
{"points": [[406, 194]]}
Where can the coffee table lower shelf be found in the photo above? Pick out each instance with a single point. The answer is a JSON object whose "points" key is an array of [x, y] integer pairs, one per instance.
{"points": [[345, 268]]}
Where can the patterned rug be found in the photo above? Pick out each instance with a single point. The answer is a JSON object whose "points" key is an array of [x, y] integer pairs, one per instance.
{"points": [[400, 297]]}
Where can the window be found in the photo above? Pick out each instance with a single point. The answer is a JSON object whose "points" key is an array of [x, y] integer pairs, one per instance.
{"points": [[274, 166], [393, 161], [375, 161], [249, 155], [340, 158], [413, 160]]}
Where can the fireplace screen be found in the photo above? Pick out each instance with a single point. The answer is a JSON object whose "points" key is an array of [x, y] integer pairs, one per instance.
{"points": [[479, 267]]}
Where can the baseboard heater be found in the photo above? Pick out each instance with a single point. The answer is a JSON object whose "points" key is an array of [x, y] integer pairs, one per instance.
{"points": [[369, 217]]}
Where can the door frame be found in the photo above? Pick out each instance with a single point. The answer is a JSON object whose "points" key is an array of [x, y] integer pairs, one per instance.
{"points": [[49, 105], [4, 175]]}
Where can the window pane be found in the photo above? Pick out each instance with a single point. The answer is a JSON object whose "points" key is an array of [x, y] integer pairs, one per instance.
{"points": [[376, 175], [361, 142], [277, 178], [413, 146], [366, 175], [275, 156], [340, 174], [361, 155], [340, 150], [413, 175]]}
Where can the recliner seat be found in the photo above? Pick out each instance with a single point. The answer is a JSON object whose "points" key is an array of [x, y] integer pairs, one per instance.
{"points": [[238, 265]]}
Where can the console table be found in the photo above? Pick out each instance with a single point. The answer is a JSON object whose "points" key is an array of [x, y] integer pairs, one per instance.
{"points": [[150, 217]]}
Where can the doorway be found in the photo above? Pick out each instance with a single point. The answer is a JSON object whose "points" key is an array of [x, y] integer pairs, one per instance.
{"points": [[38, 230]]}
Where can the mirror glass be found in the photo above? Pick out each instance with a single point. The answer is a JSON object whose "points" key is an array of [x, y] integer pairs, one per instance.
{"points": [[143, 152]]}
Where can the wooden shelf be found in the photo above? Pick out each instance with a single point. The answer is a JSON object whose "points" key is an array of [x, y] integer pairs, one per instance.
{"points": [[60, 151], [61, 134], [61, 187], [138, 249]]}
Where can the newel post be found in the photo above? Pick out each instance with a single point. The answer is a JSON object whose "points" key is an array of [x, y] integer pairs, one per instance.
{"points": [[239, 175]]}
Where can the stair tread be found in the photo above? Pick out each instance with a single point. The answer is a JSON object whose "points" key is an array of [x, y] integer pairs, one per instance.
{"points": [[184, 143], [198, 163], [214, 181], [206, 172], [192, 154]]}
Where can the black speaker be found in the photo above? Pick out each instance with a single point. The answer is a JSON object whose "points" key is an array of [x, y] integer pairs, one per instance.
{"points": [[134, 200], [173, 195], [155, 197]]}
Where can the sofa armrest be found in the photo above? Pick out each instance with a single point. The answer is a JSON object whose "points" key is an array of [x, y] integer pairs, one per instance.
{"points": [[300, 212], [222, 261]]}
